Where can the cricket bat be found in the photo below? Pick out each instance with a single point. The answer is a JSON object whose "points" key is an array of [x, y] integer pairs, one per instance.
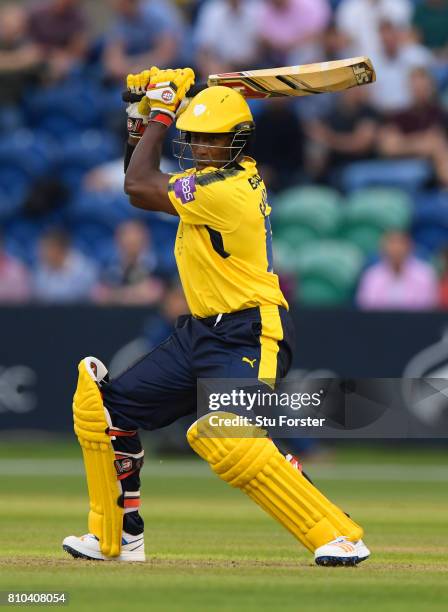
{"points": [[305, 80]]}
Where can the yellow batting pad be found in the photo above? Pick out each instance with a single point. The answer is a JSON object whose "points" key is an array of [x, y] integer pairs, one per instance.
{"points": [[105, 516], [255, 465]]}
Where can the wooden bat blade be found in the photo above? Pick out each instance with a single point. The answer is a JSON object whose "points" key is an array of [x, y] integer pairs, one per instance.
{"points": [[306, 80]]}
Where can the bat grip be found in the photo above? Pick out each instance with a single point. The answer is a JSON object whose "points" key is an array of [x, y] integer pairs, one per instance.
{"points": [[128, 96]]}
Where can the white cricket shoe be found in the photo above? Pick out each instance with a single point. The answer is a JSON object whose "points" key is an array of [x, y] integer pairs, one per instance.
{"points": [[88, 547], [362, 551], [339, 552]]}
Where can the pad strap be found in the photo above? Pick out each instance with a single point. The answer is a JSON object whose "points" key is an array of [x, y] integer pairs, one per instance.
{"points": [[116, 432], [130, 501]]}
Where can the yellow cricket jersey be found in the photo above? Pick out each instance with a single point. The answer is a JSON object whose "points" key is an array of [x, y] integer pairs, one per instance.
{"points": [[224, 241]]}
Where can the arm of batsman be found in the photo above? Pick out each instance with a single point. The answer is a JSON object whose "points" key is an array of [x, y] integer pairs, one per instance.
{"points": [[168, 88]]}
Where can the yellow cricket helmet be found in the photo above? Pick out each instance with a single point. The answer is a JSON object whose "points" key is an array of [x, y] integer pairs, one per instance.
{"points": [[216, 110]]}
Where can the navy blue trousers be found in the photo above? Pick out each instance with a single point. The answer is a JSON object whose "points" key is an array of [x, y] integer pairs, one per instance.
{"points": [[161, 387]]}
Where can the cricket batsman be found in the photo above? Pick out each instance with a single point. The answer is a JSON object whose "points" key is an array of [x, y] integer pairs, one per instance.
{"points": [[239, 328]]}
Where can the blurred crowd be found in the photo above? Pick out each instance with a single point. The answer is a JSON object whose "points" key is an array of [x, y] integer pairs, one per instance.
{"points": [[67, 233]]}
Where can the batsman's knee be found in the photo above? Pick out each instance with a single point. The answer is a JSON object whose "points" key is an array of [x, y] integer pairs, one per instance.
{"points": [[235, 453]]}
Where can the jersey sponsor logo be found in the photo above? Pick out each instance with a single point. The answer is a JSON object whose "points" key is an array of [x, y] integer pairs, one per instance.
{"points": [[184, 188], [251, 362]]}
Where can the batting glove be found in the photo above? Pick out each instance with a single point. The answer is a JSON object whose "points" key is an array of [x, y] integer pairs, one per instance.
{"points": [[138, 112], [166, 92]]}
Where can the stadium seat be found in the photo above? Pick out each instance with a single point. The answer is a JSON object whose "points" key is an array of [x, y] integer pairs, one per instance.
{"points": [[430, 222], [94, 240], [304, 214], [104, 208], [26, 154], [407, 174], [21, 236], [73, 106], [163, 230], [9, 205], [84, 151], [371, 212], [327, 272], [25, 157], [12, 194], [284, 256]]}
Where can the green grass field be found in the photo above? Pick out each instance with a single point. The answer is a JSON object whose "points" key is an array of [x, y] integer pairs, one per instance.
{"points": [[210, 548]]}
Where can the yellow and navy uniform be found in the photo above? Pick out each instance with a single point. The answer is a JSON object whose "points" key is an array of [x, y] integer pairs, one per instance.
{"points": [[239, 327], [224, 241]]}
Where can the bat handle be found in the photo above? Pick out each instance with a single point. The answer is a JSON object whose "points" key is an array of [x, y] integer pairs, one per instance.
{"points": [[128, 96]]}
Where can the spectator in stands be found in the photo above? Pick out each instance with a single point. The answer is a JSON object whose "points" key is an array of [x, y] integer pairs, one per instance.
{"points": [[289, 30], [345, 135], [279, 144], [128, 280], [144, 33], [332, 45], [419, 131], [20, 58], [220, 24], [360, 21], [443, 284], [395, 62], [59, 28], [109, 177], [62, 275], [431, 23], [14, 279], [400, 281]]}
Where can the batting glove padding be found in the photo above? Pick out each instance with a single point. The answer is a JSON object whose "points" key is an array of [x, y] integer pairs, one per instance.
{"points": [[138, 112], [166, 91]]}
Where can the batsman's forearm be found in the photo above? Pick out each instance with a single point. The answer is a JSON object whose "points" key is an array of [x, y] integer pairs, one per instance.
{"points": [[145, 185], [145, 159], [148, 151]]}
